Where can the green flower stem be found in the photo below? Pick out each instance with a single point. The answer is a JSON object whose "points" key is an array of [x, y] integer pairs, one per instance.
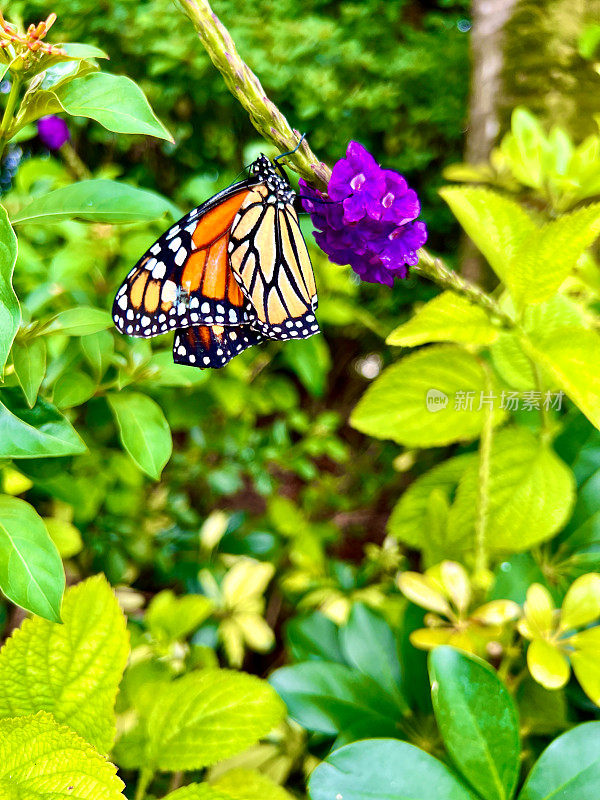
{"points": [[246, 88], [274, 127], [9, 111], [144, 780], [485, 450]]}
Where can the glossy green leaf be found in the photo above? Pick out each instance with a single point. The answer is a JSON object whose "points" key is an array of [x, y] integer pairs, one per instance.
{"points": [[530, 490], [31, 571], [478, 721], [384, 769], [29, 361], [72, 670], [314, 638], [35, 432], [199, 719], [80, 321], [98, 349], [40, 759], [431, 397], [332, 698], [366, 633], [569, 769], [10, 311], [447, 318], [114, 101], [143, 430], [73, 389], [97, 200]]}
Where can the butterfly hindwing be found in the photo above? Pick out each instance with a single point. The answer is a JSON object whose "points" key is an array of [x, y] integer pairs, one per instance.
{"points": [[270, 260], [214, 346], [185, 278]]}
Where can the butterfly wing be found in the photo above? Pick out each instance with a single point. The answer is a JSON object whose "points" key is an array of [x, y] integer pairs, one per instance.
{"points": [[185, 278], [213, 346], [270, 260]]}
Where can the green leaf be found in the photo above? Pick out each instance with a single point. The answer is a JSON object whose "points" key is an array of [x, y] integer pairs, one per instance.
{"points": [[498, 226], [570, 355], [569, 768], [10, 311], [310, 360], [65, 536], [29, 361], [197, 791], [40, 759], [98, 349], [199, 719], [332, 698], [73, 389], [31, 572], [417, 401], [170, 618], [313, 638], [79, 50], [114, 101], [97, 200], [384, 769], [531, 493], [72, 670], [143, 430], [247, 784], [35, 432], [80, 321], [366, 633], [548, 256], [508, 355], [409, 520], [478, 721], [447, 318]]}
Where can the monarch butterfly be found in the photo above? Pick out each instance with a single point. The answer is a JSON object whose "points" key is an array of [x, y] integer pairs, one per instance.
{"points": [[233, 271]]}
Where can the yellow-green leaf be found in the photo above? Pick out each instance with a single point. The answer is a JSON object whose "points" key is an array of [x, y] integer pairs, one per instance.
{"points": [[247, 784], [200, 719], [581, 605], [570, 355], [547, 664], [72, 670], [447, 318], [585, 662], [40, 759], [431, 397]]}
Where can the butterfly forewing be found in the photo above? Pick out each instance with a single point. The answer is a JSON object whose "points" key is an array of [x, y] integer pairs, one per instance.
{"points": [[212, 346], [185, 278]]}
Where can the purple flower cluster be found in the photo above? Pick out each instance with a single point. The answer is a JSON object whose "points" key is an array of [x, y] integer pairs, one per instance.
{"points": [[369, 220], [53, 131]]}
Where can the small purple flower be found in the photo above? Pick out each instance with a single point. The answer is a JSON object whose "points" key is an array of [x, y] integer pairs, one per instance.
{"points": [[369, 220], [53, 131]]}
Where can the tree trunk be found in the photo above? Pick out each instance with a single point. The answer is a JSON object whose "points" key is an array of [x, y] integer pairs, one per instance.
{"points": [[489, 19]]}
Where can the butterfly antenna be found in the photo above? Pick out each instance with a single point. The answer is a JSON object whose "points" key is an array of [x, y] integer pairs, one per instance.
{"points": [[290, 152]]}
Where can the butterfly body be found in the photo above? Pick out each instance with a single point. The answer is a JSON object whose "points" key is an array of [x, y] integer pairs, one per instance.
{"points": [[237, 261]]}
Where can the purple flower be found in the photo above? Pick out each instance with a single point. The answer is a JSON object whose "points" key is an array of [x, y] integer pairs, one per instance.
{"points": [[53, 131], [369, 220]]}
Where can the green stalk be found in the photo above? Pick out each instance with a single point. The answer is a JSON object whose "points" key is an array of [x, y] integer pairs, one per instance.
{"points": [[274, 127], [9, 111], [485, 450], [144, 780]]}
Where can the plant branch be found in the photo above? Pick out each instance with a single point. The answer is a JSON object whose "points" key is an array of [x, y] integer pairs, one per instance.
{"points": [[9, 111], [485, 450], [247, 89], [274, 127]]}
